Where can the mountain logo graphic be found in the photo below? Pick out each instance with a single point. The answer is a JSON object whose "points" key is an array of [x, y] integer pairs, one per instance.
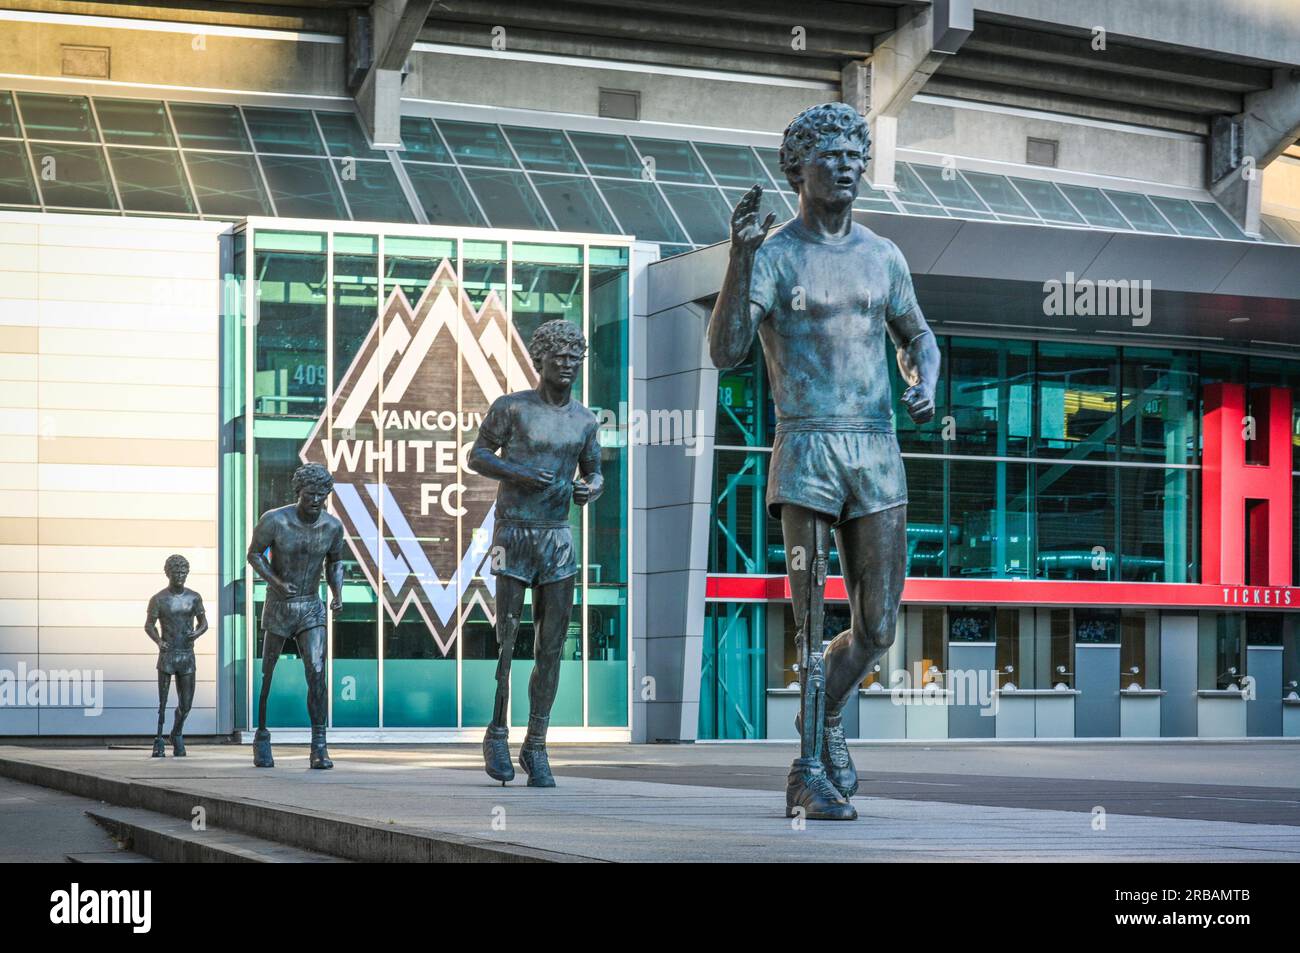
{"points": [[397, 439]]}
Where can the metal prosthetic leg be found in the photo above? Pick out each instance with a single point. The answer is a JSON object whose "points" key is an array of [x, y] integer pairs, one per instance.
{"points": [[496, 742], [807, 786], [159, 744]]}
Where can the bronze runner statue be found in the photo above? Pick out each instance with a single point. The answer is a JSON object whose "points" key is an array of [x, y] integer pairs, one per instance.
{"points": [[821, 293], [533, 441], [179, 612], [289, 547]]}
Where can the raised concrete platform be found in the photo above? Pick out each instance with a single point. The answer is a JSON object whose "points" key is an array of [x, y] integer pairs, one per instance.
{"points": [[719, 802]]}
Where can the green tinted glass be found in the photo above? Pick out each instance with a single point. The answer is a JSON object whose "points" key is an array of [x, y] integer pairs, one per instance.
{"points": [[16, 186], [1095, 207], [607, 155], [1048, 201], [73, 176], [57, 117], [1185, 218], [703, 212], [476, 143], [151, 180], [574, 204], [8, 117], [201, 126], [422, 141], [735, 166], [289, 131], [670, 160], [303, 188], [543, 150], [641, 211], [998, 193], [1140, 212], [344, 137], [227, 184], [443, 195], [373, 192], [133, 122], [507, 199]]}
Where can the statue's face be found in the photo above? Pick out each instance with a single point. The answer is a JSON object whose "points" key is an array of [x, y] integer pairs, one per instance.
{"points": [[311, 500], [832, 173], [561, 366], [177, 575]]}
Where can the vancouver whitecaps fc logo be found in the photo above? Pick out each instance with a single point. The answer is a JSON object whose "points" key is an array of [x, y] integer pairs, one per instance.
{"points": [[397, 441]]}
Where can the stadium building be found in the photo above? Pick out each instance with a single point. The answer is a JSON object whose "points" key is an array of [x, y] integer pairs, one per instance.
{"points": [[236, 237]]}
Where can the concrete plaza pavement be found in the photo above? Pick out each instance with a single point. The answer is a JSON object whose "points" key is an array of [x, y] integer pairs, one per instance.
{"points": [[716, 802]]}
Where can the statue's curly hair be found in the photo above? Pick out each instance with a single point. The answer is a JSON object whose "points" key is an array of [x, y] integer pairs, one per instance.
{"points": [[312, 476], [552, 336], [807, 129], [176, 561]]}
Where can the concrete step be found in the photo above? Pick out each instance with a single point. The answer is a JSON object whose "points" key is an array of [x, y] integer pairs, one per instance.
{"points": [[348, 837], [109, 857], [173, 840]]}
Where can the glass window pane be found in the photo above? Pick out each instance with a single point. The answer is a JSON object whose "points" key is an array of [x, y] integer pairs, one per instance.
{"points": [[1077, 398], [227, 184], [1157, 513], [290, 374], [951, 191], [607, 155], [1140, 212], [134, 122], [989, 516], [57, 117], [1095, 207], [422, 140], [373, 192], [1076, 521], [640, 211], [201, 126], [875, 202], [734, 166], [925, 527], [73, 176], [743, 538], [771, 159], [8, 116], [910, 188], [443, 195], [1186, 219], [344, 136], [1048, 201], [574, 204], [771, 201], [543, 150], [1157, 415], [999, 195], [932, 210], [992, 396], [1220, 220], [151, 180], [507, 199], [670, 160], [303, 188], [703, 212], [16, 186], [476, 143], [291, 131]]}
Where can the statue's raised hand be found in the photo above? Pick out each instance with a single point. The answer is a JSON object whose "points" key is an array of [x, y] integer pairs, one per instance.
{"points": [[746, 232]]}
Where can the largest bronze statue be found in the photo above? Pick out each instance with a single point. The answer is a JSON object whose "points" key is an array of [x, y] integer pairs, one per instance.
{"points": [[821, 293]]}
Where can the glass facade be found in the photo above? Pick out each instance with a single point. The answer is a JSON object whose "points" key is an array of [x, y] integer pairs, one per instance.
{"points": [[1046, 460], [377, 353], [226, 161]]}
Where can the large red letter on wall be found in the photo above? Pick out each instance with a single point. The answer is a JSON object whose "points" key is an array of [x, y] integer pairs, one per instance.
{"points": [[1240, 500]]}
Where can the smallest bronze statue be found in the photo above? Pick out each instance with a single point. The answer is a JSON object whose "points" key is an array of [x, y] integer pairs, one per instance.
{"points": [[180, 613]]}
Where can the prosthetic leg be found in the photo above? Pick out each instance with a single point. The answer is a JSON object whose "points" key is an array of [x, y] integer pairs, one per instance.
{"points": [[496, 741], [272, 645], [552, 608], [807, 786], [184, 698], [164, 686]]}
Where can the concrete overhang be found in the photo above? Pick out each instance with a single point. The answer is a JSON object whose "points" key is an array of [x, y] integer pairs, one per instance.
{"points": [[975, 277]]}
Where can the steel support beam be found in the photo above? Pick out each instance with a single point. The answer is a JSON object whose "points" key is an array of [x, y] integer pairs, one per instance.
{"points": [[1244, 144]]}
